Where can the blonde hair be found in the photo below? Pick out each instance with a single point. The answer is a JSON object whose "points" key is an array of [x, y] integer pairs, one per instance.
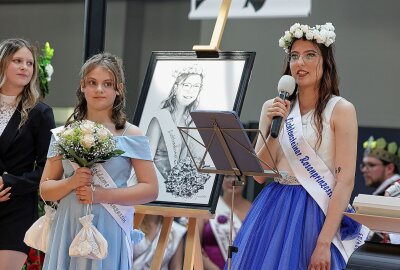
{"points": [[29, 96]]}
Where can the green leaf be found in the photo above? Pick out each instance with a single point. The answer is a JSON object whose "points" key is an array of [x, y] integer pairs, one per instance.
{"points": [[81, 162], [381, 143], [392, 148]]}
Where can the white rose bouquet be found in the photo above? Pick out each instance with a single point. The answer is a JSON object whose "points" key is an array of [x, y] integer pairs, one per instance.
{"points": [[86, 143]]}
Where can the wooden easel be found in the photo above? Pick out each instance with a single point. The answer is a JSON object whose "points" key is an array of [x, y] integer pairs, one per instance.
{"points": [[218, 29], [193, 256]]}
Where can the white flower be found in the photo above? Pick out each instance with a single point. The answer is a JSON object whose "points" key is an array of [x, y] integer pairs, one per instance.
{"points": [[329, 26], [87, 127], [305, 28], [88, 140], [294, 27], [323, 34], [103, 133], [282, 42], [67, 132], [309, 35], [287, 36], [298, 33], [49, 70]]}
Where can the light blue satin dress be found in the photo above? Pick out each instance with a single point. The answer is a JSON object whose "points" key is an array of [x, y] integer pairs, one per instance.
{"points": [[66, 224]]}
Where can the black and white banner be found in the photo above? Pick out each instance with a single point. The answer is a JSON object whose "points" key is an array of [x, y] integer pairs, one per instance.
{"points": [[208, 9]]}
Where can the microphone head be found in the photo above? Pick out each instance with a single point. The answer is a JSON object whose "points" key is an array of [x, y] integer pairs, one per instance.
{"points": [[286, 84]]}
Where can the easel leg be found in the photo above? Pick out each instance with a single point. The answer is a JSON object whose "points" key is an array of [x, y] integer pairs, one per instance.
{"points": [[162, 243], [138, 220], [193, 248]]}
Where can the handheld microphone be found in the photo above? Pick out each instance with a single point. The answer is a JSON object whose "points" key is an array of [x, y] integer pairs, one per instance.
{"points": [[286, 87]]}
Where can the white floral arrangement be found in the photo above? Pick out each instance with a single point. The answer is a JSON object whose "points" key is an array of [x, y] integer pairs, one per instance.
{"points": [[86, 143], [323, 34]]}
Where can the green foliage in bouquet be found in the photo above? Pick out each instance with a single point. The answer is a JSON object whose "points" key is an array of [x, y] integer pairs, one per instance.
{"points": [[86, 143], [45, 69]]}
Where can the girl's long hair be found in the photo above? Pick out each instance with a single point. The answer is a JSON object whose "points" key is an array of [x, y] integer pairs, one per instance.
{"points": [[329, 86], [29, 96]]}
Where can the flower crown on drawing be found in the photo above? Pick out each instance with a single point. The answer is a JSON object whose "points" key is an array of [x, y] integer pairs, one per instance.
{"points": [[195, 69], [380, 149], [323, 34]]}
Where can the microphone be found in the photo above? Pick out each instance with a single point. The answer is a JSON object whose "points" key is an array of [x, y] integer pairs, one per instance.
{"points": [[286, 87]]}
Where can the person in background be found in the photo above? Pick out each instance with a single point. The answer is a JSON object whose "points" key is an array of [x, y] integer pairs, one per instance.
{"points": [[215, 233], [143, 253], [380, 168], [25, 124], [380, 164], [101, 99]]}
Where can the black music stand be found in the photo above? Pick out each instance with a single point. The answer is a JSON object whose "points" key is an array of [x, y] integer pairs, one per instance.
{"points": [[230, 149]]}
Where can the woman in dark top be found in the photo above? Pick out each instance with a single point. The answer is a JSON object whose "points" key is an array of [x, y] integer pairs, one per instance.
{"points": [[25, 125]]}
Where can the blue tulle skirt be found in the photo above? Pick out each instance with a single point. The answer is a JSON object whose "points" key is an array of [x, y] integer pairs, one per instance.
{"points": [[280, 231]]}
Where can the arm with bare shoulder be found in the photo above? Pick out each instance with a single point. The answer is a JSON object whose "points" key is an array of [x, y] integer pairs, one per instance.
{"points": [[146, 190], [344, 124]]}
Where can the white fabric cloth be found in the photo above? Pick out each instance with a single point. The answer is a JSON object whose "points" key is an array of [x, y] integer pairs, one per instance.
{"points": [[143, 252], [8, 105], [37, 236], [89, 242], [386, 184]]}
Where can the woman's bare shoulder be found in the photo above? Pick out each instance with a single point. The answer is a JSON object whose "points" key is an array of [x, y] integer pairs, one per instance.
{"points": [[344, 107], [133, 130]]}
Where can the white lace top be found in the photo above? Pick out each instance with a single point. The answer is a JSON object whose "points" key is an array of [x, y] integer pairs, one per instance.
{"points": [[8, 105]]}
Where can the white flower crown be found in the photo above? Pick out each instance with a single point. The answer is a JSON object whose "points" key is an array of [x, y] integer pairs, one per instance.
{"points": [[324, 34]]}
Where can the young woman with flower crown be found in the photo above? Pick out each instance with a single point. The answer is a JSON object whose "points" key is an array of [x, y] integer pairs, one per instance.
{"points": [[101, 99], [297, 221], [25, 125]]}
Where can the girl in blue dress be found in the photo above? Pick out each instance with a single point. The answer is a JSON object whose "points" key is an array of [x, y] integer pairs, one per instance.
{"points": [[101, 97], [296, 221]]}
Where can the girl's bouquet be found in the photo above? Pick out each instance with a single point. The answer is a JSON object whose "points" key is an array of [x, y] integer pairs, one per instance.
{"points": [[86, 143]]}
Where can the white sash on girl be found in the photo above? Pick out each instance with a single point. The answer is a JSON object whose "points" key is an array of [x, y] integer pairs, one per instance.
{"points": [[222, 230], [313, 174], [122, 214]]}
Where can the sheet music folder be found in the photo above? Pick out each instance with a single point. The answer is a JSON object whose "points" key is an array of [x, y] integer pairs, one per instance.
{"points": [[232, 133]]}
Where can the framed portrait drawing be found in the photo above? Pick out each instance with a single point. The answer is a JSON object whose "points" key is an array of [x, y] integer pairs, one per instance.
{"points": [[175, 84]]}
